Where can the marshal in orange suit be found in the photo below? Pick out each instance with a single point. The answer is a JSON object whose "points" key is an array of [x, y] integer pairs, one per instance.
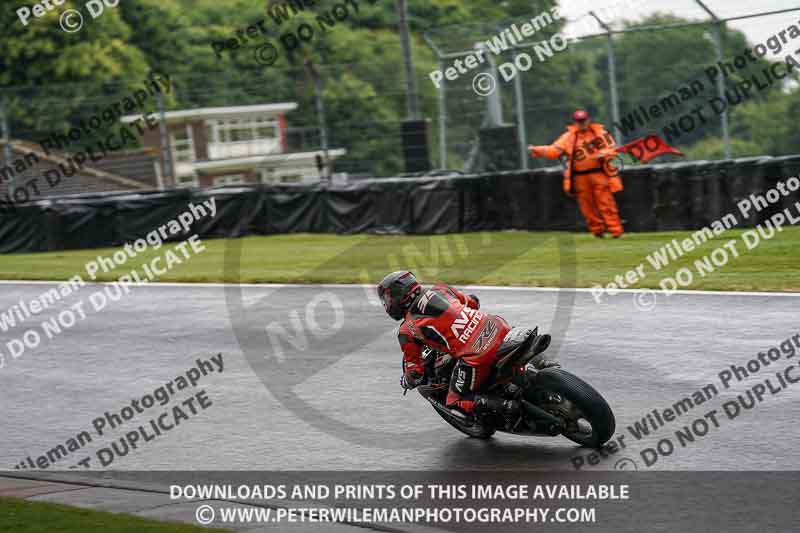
{"points": [[588, 149]]}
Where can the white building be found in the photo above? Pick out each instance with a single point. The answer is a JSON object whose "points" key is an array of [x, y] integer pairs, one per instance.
{"points": [[233, 145]]}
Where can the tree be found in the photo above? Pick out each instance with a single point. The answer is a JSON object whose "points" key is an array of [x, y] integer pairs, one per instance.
{"points": [[714, 148], [673, 70], [51, 79], [771, 123]]}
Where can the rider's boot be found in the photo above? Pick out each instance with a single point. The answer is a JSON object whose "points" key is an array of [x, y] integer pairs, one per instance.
{"points": [[507, 410], [540, 363]]}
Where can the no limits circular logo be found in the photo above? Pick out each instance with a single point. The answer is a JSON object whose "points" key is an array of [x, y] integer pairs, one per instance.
{"points": [[296, 339]]}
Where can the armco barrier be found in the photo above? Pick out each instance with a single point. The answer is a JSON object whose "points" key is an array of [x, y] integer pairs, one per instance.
{"points": [[686, 195]]}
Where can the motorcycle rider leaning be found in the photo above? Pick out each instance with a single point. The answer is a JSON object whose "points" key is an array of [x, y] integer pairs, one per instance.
{"points": [[443, 319]]}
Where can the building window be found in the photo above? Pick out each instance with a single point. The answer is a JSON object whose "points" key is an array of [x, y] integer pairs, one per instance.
{"points": [[186, 181], [271, 175], [230, 179], [183, 145], [266, 129], [235, 130], [266, 175]]}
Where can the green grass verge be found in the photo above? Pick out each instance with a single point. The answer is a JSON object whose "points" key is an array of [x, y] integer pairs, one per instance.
{"points": [[21, 516], [501, 258]]}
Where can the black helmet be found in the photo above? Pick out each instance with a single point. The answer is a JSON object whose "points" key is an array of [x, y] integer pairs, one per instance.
{"points": [[397, 291]]}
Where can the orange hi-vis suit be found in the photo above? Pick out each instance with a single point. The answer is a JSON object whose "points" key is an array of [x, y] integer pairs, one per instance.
{"points": [[589, 170]]}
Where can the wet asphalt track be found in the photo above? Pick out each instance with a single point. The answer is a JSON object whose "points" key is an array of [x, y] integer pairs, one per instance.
{"points": [[639, 360]]}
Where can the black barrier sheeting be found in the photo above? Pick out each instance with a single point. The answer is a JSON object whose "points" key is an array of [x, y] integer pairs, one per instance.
{"points": [[637, 199], [677, 196], [84, 225], [26, 230], [293, 210], [435, 208], [240, 212], [783, 165], [351, 209], [393, 203], [135, 218], [671, 200]]}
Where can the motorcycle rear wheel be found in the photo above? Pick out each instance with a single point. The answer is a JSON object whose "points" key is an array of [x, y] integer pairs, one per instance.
{"points": [[580, 402]]}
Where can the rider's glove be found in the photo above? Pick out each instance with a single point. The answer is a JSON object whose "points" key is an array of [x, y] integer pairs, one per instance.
{"points": [[409, 382], [477, 302]]}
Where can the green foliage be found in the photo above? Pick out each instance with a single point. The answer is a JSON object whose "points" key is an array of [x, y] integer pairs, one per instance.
{"points": [[771, 124], [60, 77], [652, 65], [566, 82], [161, 31], [354, 101], [51, 79], [714, 148]]}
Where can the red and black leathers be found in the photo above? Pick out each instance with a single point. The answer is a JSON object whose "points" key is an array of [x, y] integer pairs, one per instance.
{"points": [[446, 320]]}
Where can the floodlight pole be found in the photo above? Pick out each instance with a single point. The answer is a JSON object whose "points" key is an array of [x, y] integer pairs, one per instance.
{"points": [[166, 144], [7, 147], [412, 104], [520, 105], [442, 102], [612, 76], [718, 24], [323, 129]]}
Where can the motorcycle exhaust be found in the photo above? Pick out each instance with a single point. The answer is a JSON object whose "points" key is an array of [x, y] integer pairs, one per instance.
{"points": [[542, 419]]}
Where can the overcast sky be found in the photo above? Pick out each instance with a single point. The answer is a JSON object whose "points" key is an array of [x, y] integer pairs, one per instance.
{"points": [[756, 29]]}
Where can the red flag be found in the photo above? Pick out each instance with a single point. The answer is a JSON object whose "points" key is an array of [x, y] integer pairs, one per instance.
{"points": [[648, 148]]}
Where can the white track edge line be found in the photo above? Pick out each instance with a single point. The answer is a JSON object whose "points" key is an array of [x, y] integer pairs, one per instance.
{"points": [[363, 285]]}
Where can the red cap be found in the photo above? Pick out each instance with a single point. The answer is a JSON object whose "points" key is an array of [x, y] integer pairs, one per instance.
{"points": [[580, 115]]}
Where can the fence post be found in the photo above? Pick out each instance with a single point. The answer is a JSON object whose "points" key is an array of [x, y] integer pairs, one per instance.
{"points": [[442, 103], [7, 146], [718, 25], [166, 145], [519, 102], [323, 128], [442, 121], [612, 76], [726, 134]]}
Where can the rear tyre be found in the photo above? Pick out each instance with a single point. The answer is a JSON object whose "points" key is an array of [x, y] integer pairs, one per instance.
{"points": [[580, 406]]}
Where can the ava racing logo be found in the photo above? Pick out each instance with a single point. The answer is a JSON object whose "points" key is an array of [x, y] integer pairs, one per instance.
{"points": [[465, 324], [485, 337]]}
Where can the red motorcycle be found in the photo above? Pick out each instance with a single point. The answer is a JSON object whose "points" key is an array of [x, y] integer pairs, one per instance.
{"points": [[554, 402]]}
